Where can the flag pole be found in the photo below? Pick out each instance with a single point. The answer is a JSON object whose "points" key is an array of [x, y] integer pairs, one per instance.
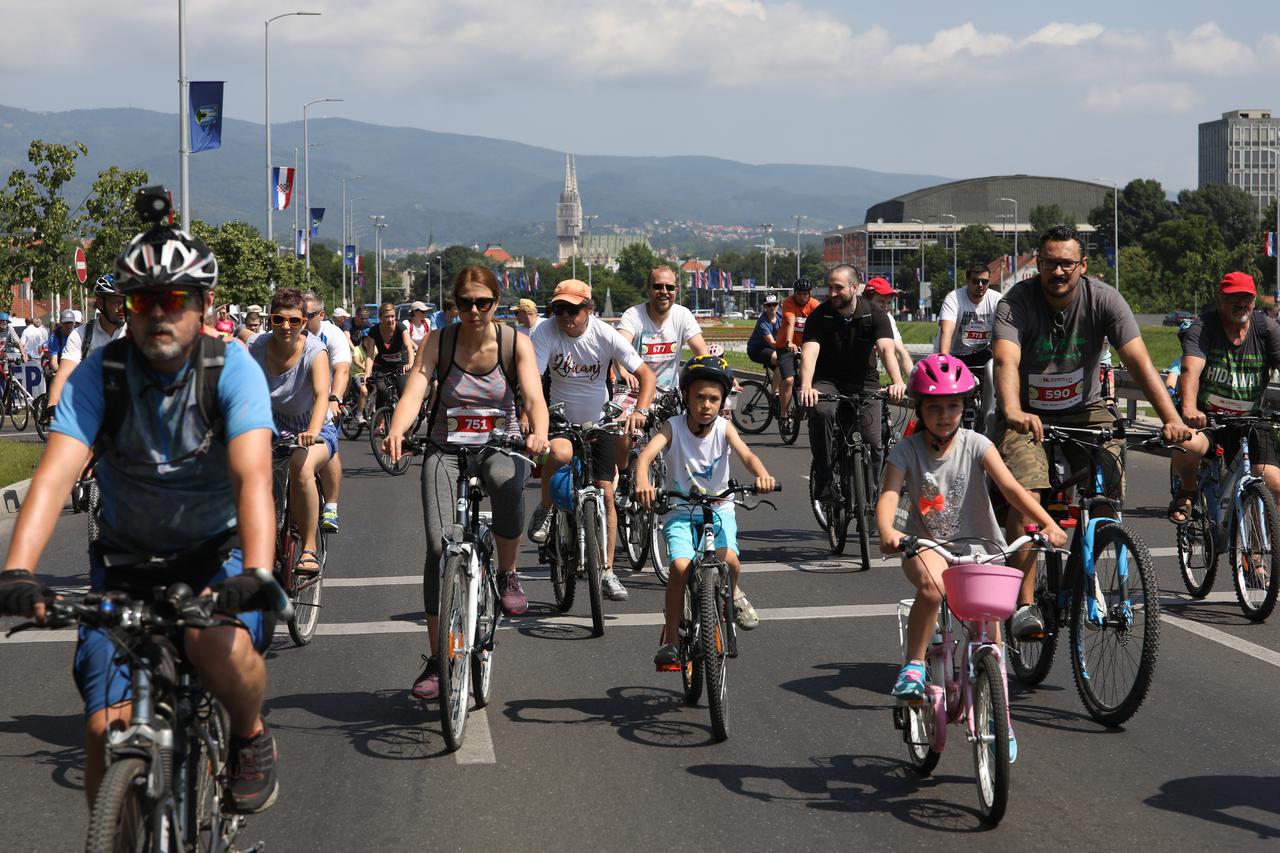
{"points": [[184, 120]]}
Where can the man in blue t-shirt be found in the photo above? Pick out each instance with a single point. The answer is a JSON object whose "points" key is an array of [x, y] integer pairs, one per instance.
{"points": [[180, 470], [762, 345]]}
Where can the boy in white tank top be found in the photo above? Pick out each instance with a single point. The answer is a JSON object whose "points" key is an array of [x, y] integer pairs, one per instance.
{"points": [[697, 444]]}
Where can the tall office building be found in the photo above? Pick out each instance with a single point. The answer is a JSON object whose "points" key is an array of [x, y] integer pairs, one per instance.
{"points": [[1242, 149], [569, 213]]}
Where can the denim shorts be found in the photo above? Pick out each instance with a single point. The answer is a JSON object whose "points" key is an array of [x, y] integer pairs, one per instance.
{"points": [[682, 529]]}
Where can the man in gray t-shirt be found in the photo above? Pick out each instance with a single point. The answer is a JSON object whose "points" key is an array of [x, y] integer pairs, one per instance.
{"points": [[1049, 333]]}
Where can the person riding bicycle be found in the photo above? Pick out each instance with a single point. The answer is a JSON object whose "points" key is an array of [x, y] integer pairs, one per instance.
{"points": [[944, 469], [106, 327], [181, 428], [762, 346], [841, 341], [483, 367], [575, 352], [795, 312], [297, 370], [966, 319], [881, 294], [339, 349], [1228, 354], [10, 342], [698, 445], [389, 346], [59, 336], [1049, 332]]}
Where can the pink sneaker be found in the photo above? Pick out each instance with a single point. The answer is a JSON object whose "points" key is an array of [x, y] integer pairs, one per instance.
{"points": [[514, 602]]}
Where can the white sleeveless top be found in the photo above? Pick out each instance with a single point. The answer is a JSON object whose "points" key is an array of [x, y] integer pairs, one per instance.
{"points": [[707, 457]]}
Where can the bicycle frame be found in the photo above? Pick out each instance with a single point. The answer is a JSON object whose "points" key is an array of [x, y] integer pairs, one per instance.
{"points": [[474, 553], [708, 565]]}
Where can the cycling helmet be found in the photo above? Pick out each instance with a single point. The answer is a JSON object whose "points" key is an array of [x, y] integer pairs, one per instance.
{"points": [[165, 256], [711, 367], [4, 316], [802, 284], [939, 375], [106, 284], [716, 349]]}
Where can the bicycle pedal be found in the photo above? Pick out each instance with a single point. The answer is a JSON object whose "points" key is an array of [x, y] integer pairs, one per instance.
{"points": [[912, 701], [1039, 635]]}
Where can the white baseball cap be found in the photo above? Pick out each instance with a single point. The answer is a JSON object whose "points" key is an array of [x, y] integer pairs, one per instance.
{"points": [[67, 316], [78, 316], [340, 312]]}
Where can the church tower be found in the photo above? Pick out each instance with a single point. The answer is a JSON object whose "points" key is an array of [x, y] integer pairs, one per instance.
{"points": [[569, 214]]}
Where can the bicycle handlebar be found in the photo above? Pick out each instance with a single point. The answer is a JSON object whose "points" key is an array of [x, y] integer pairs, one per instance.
{"points": [[913, 545], [826, 397], [733, 492]]}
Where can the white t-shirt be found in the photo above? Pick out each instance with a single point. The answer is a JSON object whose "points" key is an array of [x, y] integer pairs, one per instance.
{"points": [[580, 366], [336, 343], [75, 344], [973, 322], [33, 338], [417, 333], [528, 330], [893, 324], [660, 346]]}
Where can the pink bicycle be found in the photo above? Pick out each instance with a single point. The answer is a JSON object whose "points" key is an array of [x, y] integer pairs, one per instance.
{"points": [[967, 683]]}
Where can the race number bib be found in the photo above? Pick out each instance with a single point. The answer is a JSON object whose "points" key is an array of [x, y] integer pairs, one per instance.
{"points": [[1227, 406], [976, 336], [655, 350], [1055, 391], [472, 424], [800, 318]]}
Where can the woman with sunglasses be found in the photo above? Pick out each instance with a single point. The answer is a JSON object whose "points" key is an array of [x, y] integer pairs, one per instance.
{"points": [[297, 369], [390, 347], [479, 363]]}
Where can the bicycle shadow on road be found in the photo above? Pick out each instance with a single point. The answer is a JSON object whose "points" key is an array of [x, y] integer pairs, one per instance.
{"points": [[1224, 613], [531, 624], [1214, 798], [64, 735], [643, 715], [866, 784], [874, 676], [785, 545], [387, 724]]}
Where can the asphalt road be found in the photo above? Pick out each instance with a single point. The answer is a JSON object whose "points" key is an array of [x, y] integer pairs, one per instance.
{"points": [[584, 746]]}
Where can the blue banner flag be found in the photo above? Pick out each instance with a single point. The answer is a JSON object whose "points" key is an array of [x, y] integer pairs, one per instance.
{"points": [[317, 216], [206, 115], [349, 256]]}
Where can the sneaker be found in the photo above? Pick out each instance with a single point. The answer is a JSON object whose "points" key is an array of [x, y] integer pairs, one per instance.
{"points": [[540, 524], [329, 520], [514, 602], [1027, 623], [613, 588], [667, 658], [427, 684], [251, 769], [1013, 748], [747, 618], [911, 681]]}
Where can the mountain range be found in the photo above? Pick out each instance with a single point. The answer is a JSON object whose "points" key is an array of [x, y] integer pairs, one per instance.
{"points": [[457, 188]]}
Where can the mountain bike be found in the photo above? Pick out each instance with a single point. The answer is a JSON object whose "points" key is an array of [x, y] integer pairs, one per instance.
{"points": [[352, 419], [1106, 592], [638, 529], [893, 420], [470, 613], [166, 785], [853, 484], [757, 406], [579, 533], [303, 588], [1233, 507], [15, 400], [708, 634], [967, 684], [386, 393]]}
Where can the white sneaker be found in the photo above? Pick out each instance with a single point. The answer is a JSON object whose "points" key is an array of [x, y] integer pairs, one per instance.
{"points": [[747, 618], [613, 588]]}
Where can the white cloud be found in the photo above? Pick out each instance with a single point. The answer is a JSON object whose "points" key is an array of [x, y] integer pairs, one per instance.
{"points": [[1065, 35], [1208, 50], [1142, 97]]}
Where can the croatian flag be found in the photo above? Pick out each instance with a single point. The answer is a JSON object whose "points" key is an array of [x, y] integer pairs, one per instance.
{"points": [[506, 280], [1269, 245], [282, 180], [1008, 264], [359, 265], [727, 280], [537, 280]]}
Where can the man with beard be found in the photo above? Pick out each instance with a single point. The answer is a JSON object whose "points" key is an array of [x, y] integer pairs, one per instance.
{"points": [[1049, 333], [182, 425], [1228, 354], [964, 323], [842, 338]]}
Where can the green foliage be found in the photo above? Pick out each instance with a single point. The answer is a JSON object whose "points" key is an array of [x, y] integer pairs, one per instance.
{"points": [[1143, 206], [978, 244], [38, 221], [1231, 209], [109, 219], [1045, 216], [246, 261]]}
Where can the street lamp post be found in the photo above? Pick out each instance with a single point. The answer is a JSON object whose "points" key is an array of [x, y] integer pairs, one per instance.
{"points": [[184, 123], [768, 229], [346, 233], [378, 225], [306, 165], [589, 219], [955, 252], [1275, 165], [1115, 223], [266, 75], [798, 218], [920, 281], [866, 252], [1014, 202], [440, 276]]}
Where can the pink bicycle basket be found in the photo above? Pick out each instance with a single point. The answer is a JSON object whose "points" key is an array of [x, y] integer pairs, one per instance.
{"points": [[982, 590]]}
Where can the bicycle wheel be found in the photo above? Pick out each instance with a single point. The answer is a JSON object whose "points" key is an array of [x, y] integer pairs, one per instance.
{"points": [[1031, 660], [859, 510], [594, 564], [19, 406], [121, 816], [486, 624], [1115, 626], [1255, 561], [561, 547], [306, 597], [915, 724], [349, 422], [378, 428], [991, 749], [789, 427], [39, 413], [837, 506], [658, 555], [635, 527], [715, 642], [454, 651], [752, 413], [206, 827], [690, 662], [1197, 550], [95, 506], [819, 509]]}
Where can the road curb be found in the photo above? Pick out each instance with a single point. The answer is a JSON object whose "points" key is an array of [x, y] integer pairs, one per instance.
{"points": [[11, 497]]}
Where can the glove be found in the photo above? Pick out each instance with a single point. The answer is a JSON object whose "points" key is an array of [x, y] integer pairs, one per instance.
{"points": [[19, 592], [49, 412], [240, 593]]}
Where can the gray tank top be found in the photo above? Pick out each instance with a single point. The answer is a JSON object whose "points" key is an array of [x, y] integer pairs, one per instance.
{"points": [[291, 393], [460, 390]]}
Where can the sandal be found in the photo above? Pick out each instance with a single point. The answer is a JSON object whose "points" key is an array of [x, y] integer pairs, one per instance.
{"points": [[1180, 508], [312, 561]]}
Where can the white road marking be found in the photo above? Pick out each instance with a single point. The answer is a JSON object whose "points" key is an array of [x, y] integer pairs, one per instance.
{"points": [[1231, 641], [477, 746]]}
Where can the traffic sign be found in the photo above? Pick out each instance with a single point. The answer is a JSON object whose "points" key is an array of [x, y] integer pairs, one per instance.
{"points": [[82, 268]]}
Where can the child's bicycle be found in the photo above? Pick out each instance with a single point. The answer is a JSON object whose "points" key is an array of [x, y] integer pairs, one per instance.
{"points": [[708, 636], [967, 683]]}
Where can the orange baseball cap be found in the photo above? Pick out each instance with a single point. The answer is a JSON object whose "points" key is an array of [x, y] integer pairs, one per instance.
{"points": [[572, 291]]}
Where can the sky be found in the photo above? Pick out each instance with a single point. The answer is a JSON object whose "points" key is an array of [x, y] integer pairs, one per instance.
{"points": [[1085, 90]]}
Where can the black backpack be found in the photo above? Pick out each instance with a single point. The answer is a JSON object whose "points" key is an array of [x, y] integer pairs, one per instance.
{"points": [[506, 362]]}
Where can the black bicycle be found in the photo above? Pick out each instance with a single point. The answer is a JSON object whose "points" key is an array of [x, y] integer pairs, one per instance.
{"points": [[637, 527], [352, 418], [756, 406], [853, 484], [387, 394], [166, 785]]}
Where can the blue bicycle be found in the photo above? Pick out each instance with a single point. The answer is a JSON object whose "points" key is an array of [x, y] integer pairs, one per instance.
{"points": [[1233, 510]]}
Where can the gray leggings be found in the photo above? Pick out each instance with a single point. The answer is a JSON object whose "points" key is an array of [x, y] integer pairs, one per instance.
{"points": [[503, 479]]}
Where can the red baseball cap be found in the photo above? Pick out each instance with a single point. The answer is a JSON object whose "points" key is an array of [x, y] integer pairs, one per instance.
{"points": [[1237, 282], [882, 287]]}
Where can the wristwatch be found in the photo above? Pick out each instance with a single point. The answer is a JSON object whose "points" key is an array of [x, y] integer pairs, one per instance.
{"points": [[334, 399], [643, 411]]}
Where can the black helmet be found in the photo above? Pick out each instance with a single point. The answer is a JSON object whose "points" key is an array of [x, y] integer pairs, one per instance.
{"points": [[165, 255], [105, 285], [802, 284], [711, 367]]}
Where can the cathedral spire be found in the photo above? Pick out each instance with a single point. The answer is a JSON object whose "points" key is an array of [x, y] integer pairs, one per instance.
{"points": [[570, 174]]}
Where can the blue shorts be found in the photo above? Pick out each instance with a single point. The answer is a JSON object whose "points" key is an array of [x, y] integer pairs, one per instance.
{"points": [[102, 680], [329, 435], [684, 536]]}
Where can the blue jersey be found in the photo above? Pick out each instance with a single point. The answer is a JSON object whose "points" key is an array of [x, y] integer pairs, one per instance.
{"points": [[764, 326]]}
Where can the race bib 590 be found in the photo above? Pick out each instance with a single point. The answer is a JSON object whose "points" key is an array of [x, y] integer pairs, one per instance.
{"points": [[1055, 391]]}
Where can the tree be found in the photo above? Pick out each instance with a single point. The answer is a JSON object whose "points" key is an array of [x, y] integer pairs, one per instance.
{"points": [[1143, 206], [634, 263], [978, 244], [37, 220], [1233, 210], [1045, 216], [110, 220], [1171, 241], [246, 261]]}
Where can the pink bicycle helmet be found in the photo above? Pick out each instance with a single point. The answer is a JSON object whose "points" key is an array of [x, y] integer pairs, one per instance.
{"points": [[940, 375]]}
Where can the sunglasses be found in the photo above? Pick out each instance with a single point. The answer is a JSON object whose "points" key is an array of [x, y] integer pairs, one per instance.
{"points": [[979, 281], [562, 308], [282, 321], [170, 301], [1051, 264], [484, 303], [663, 288]]}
